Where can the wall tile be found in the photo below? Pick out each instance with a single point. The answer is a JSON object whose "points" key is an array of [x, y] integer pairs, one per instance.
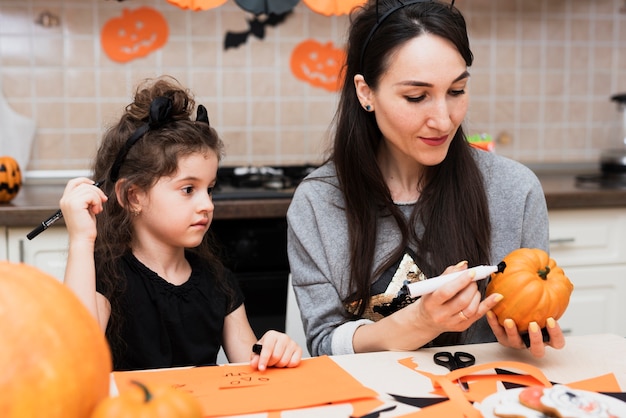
{"points": [[544, 71]]}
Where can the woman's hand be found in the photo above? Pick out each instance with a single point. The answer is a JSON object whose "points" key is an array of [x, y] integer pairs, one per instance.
{"points": [[80, 203], [278, 350], [453, 307], [456, 305], [509, 336]]}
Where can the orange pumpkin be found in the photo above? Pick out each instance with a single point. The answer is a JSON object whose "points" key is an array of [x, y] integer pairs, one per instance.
{"points": [[54, 358], [134, 34], [141, 401], [10, 179], [318, 64], [533, 286]]}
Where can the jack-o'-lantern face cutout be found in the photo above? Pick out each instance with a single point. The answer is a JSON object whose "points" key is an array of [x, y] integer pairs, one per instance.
{"points": [[318, 64], [134, 34]]}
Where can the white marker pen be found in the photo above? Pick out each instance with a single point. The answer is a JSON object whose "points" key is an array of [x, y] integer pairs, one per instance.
{"points": [[424, 287]]}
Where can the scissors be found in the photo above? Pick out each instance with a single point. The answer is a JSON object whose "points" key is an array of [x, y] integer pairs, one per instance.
{"points": [[458, 360]]}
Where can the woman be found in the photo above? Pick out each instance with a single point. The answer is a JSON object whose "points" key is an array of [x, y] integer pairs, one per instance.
{"points": [[403, 197]]}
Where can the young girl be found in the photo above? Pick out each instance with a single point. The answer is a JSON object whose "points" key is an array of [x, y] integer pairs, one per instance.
{"points": [[139, 256]]}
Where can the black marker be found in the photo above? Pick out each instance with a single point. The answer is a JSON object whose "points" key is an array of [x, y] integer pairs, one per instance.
{"points": [[51, 220], [256, 348]]}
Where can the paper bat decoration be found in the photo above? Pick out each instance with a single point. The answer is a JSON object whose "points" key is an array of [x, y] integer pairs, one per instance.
{"points": [[257, 28]]}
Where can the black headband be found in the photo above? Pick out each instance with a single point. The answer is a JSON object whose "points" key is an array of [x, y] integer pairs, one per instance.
{"points": [[160, 114], [380, 21]]}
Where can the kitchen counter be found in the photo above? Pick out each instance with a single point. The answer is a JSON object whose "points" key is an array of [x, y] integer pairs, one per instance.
{"points": [[35, 203]]}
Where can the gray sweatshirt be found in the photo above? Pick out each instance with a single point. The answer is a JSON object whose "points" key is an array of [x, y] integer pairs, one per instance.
{"points": [[319, 254]]}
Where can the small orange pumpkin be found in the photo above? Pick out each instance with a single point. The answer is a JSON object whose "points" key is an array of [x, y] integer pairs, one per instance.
{"points": [[54, 358], [318, 64], [10, 179], [533, 286], [134, 34], [141, 401]]}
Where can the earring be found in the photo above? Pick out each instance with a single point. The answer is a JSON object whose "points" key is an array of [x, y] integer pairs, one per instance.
{"points": [[368, 108], [135, 212]]}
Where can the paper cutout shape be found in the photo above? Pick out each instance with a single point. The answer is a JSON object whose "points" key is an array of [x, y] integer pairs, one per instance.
{"points": [[316, 381], [459, 403], [266, 7], [134, 34], [197, 5], [333, 7], [256, 28], [365, 406], [318, 64]]}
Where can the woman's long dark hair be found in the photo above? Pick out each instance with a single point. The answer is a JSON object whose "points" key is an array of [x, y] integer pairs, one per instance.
{"points": [[453, 204], [154, 155]]}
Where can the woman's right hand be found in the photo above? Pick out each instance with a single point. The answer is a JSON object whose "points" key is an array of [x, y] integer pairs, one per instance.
{"points": [[82, 200], [452, 307], [457, 304]]}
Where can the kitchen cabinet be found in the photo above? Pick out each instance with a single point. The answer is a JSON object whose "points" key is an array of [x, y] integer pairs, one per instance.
{"points": [[48, 251], [590, 246], [3, 243]]}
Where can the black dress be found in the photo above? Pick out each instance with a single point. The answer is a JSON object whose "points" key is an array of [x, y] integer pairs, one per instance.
{"points": [[165, 325]]}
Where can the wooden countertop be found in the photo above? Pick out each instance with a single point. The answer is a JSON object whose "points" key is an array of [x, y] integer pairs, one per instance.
{"points": [[35, 203]]}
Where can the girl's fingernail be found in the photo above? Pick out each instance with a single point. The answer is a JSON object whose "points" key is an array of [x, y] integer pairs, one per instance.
{"points": [[509, 323], [551, 322], [533, 327], [498, 297], [490, 315], [461, 263]]}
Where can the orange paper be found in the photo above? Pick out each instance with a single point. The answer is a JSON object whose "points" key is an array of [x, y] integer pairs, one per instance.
{"points": [[197, 5], [603, 383], [333, 7], [316, 381], [483, 385], [318, 64], [134, 34]]}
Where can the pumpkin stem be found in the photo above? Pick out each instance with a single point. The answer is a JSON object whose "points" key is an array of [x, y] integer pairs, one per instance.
{"points": [[543, 273], [146, 391]]}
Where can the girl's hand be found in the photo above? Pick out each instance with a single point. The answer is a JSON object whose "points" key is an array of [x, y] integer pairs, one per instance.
{"points": [[278, 350], [80, 203], [457, 304], [509, 336]]}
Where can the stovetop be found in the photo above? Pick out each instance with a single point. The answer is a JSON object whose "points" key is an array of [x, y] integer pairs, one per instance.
{"points": [[264, 182]]}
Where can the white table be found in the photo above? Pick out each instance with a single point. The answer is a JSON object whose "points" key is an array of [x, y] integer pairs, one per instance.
{"points": [[582, 357]]}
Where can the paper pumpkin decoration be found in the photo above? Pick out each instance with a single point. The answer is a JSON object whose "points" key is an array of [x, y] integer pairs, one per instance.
{"points": [[197, 5], [134, 34], [318, 64], [333, 7]]}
